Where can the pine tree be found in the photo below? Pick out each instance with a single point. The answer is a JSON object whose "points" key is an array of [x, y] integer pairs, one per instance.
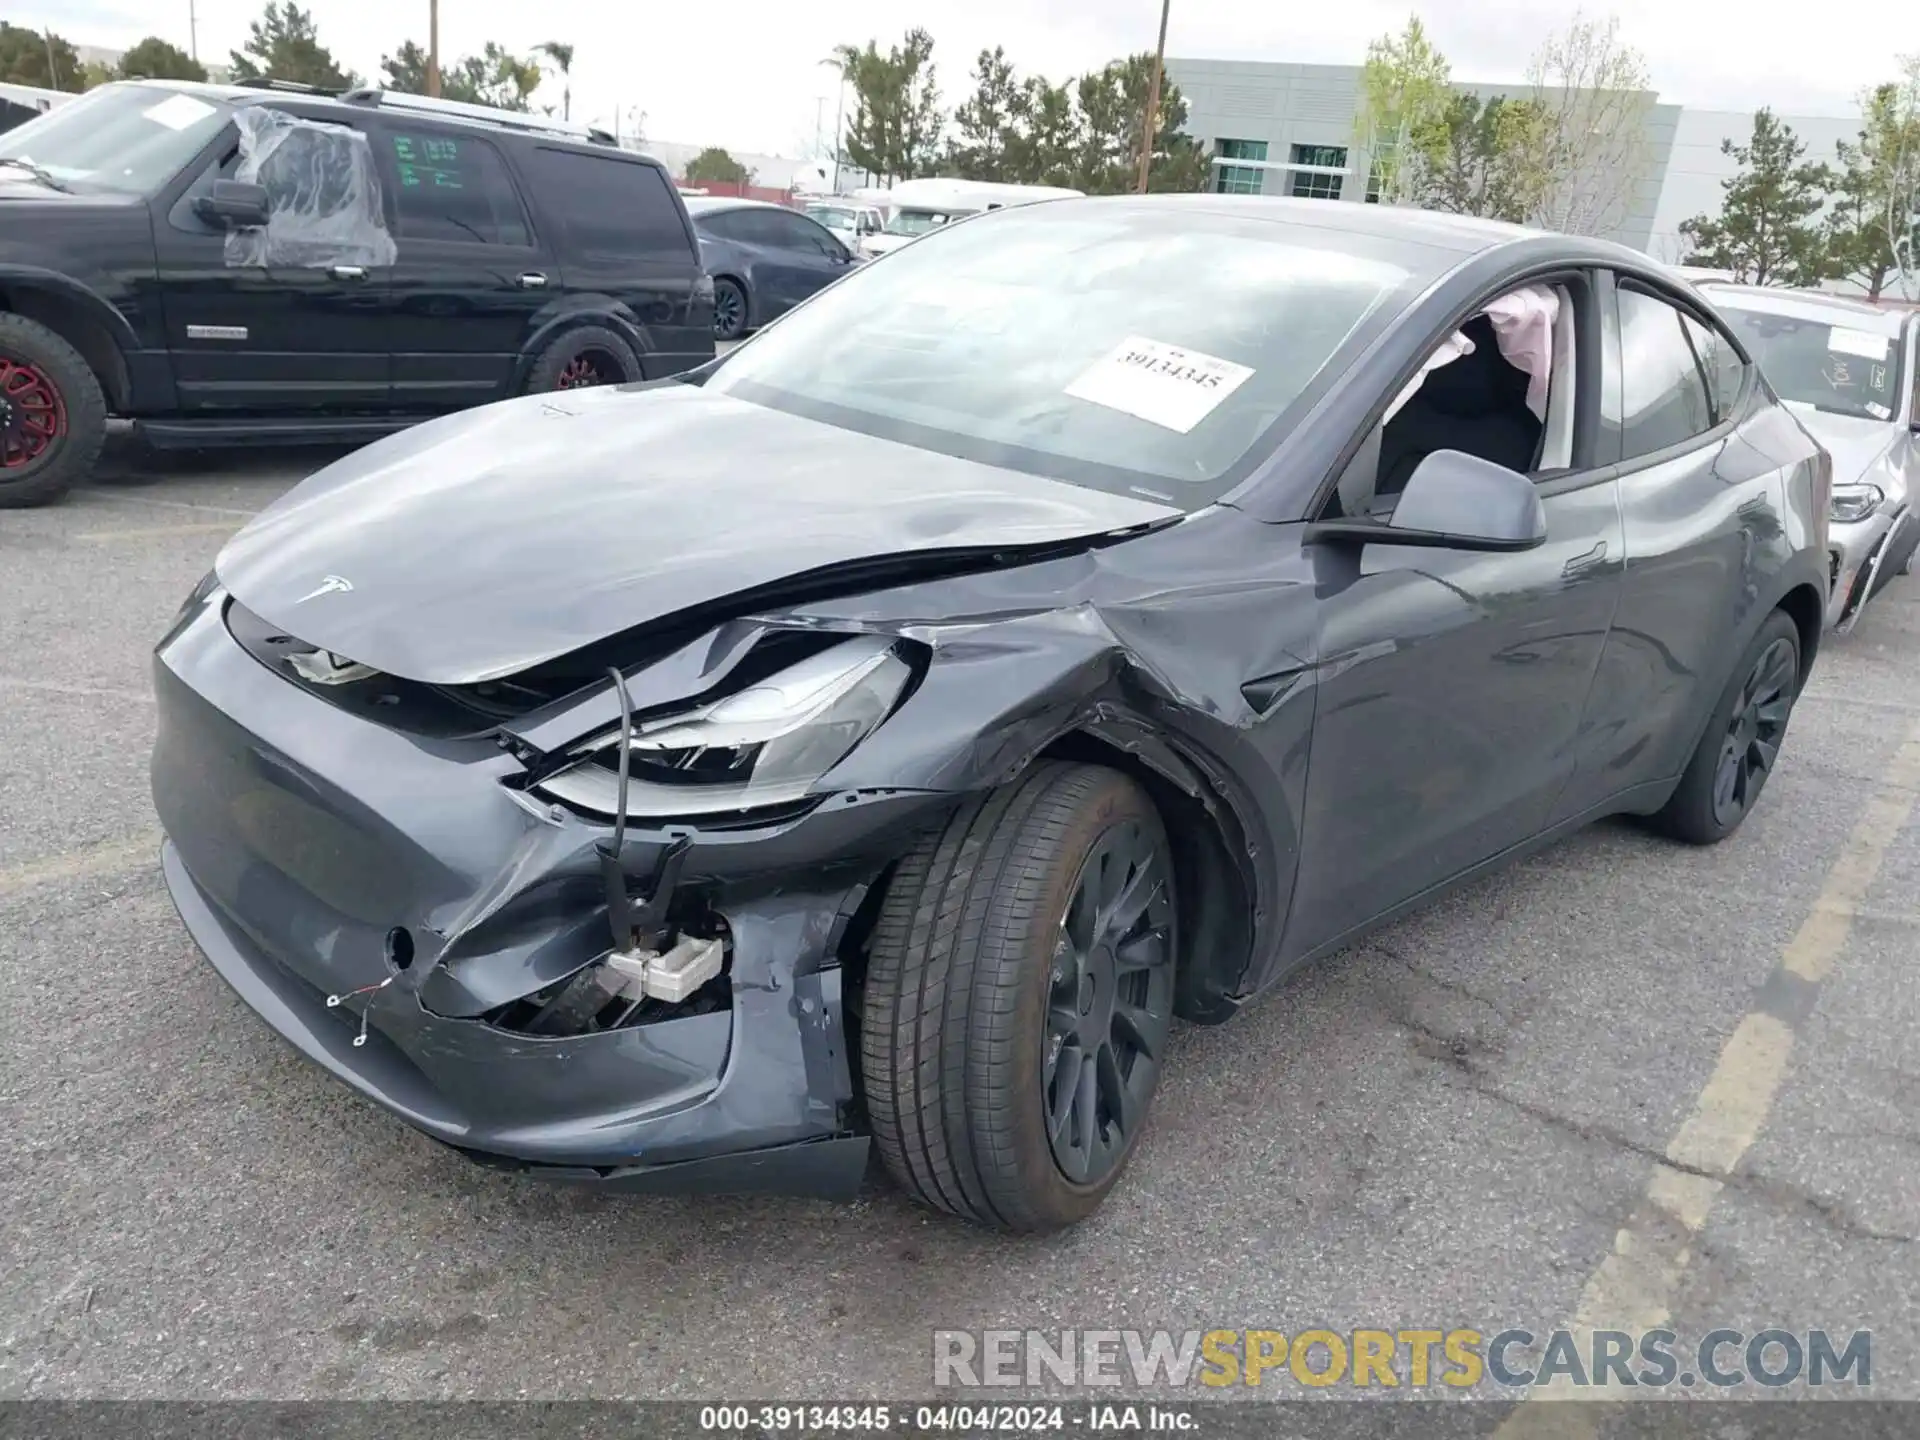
{"points": [[1768, 230]]}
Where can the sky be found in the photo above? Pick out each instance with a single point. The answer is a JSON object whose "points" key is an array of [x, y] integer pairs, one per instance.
{"points": [[746, 75]]}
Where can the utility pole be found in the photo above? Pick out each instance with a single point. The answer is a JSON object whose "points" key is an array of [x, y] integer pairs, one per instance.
{"points": [[193, 31], [53, 66], [433, 48], [1150, 121], [839, 119]]}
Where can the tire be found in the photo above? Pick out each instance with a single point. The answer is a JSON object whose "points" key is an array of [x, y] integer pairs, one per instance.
{"points": [[1745, 730], [729, 309], [583, 357], [53, 416], [986, 952]]}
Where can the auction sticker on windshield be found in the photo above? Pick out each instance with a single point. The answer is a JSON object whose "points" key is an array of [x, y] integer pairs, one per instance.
{"points": [[178, 112], [1159, 383], [1864, 343]]}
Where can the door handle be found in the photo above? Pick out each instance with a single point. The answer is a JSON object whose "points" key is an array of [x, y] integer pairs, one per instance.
{"points": [[1592, 560], [532, 280], [347, 272]]}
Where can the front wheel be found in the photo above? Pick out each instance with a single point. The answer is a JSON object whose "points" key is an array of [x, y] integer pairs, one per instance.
{"points": [[1019, 999], [1737, 751], [53, 416]]}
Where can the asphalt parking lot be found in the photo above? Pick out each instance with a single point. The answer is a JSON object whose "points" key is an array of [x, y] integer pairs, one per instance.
{"points": [[1563, 1094]]}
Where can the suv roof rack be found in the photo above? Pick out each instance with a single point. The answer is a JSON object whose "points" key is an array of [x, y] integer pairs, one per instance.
{"points": [[492, 115], [267, 82]]}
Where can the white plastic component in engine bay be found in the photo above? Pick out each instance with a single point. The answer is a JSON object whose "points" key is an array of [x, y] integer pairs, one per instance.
{"points": [[671, 975]]}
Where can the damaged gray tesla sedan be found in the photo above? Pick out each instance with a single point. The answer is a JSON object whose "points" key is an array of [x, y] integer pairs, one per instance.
{"points": [[880, 735]]}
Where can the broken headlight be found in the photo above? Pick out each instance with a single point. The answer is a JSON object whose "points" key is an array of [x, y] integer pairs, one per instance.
{"points": [[1855, 502], [763, 745]]}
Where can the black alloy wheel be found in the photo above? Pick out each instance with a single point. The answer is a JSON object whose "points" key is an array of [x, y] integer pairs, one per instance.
{"points": [[729, 310], [1753, 735], [1735, 753], [1017, 1004], [1110, 1004]]}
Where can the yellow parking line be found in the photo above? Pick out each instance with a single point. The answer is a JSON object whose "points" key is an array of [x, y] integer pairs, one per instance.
{"points": [[107, 859], [154, 532], [1634, 1286]]}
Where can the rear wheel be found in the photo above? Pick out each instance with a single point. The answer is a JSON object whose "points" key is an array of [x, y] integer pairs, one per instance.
{"points": [[581, 358], [1742, 740], [729, 310], [53, 416], [1019, 999]]}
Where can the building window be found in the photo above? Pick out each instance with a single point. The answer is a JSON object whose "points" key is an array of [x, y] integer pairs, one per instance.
{"points": [[1239, 179], [1377, 171], [1309, 186]]}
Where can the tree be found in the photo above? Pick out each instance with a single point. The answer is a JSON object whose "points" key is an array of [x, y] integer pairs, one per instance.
{"points": [[1873, 234], [1112, 103], [561, 54], [988, 127], [154, 59], [284, 45], [1405, 93], [1767, 232], [494, 77], [895, 130], [39, 58], [715, 166], [1473, 161], [1588, 152], [1042, 146]]}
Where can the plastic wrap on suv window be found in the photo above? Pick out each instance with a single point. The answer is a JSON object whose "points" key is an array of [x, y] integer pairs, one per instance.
{"points": [[324, 192]]}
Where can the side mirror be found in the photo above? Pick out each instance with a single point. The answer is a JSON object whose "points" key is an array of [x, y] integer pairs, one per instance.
{"points": [[234, 205], [1454, 501]]}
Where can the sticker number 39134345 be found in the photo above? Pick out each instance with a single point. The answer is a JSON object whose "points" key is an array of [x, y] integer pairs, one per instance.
{"points": [[1162, 384]]}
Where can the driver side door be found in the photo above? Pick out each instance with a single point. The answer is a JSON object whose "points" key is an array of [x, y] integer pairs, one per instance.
{"points": [[267, 339], [1452, 685]]}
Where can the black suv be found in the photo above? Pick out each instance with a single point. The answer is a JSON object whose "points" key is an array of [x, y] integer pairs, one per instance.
{"points": [[222, 265]]}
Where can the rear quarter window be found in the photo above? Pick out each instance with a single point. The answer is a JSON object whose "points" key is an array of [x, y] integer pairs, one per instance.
{"points": [[607, 207]]}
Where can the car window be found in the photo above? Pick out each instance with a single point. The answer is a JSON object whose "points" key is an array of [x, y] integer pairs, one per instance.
{"points": [[720, 226], [796, 232], [1154, 354], [1663, 393], [126, 138], [453, 187], [762, 227], [1726, 372], [1831, 362], [609, 206]]}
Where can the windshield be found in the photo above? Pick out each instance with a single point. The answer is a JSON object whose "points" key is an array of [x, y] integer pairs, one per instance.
{"points": [[919, 222], [128, 138], [831, 216], [1829, 366], [1144, 354]]}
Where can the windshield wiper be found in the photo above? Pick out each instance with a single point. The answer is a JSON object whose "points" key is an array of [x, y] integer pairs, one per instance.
{"points": [[1850, 413], [39, 172]]}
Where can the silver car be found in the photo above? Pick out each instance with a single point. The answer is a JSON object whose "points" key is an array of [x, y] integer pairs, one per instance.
{"points": [[1850, 373]]}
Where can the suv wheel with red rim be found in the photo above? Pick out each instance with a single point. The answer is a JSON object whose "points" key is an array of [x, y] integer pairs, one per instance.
{"points": [[53, 416]]}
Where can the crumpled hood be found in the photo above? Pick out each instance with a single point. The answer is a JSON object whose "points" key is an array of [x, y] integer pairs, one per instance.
{"points": [[1856, 445], [481, 544]]}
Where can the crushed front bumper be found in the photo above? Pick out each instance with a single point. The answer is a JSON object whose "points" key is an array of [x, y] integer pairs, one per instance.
{"points": [[315, 854], [1865, 555]]}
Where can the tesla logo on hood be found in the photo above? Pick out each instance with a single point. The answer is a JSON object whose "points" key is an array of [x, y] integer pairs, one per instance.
{"points": [[329, 585]]}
